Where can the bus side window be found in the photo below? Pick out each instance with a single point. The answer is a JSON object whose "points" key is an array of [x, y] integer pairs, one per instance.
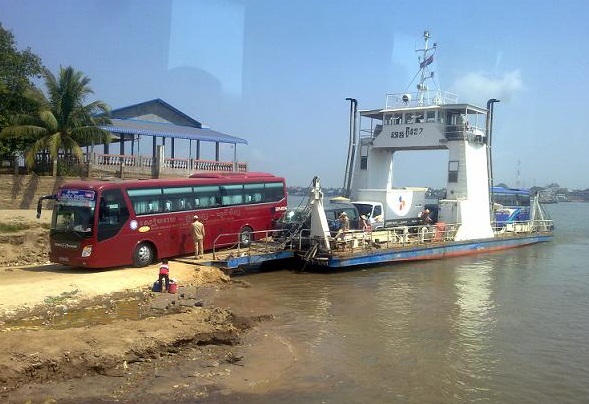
{"points": [[145, 201], [153, 206], [176, 198], [202, 202], [273, 192], [232, 194], [140, 207], [103, 212], [113, 213], [184, 204], [112, 209], [253, 192], [205, 196]]}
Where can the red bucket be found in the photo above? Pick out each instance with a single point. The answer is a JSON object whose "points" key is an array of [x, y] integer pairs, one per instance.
{"points": [[173, 288]]}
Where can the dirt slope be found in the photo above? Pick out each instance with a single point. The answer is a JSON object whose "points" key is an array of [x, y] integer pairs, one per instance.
{"points": [[115, 360]]}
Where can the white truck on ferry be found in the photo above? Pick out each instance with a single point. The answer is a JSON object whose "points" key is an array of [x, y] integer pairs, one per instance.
{"points": [[393, 207]]}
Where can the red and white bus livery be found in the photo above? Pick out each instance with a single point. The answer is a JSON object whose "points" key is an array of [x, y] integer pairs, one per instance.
{"points": [[101, 224]]}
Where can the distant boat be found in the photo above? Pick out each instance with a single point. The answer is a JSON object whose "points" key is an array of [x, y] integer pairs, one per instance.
{"points": [[547, 198]]}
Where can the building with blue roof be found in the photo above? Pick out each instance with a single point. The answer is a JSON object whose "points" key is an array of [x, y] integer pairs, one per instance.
{"points": [[163, 125]]}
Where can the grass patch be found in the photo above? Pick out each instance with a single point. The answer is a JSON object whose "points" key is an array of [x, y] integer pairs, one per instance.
{"points": [[61, 298], [13, 227]]}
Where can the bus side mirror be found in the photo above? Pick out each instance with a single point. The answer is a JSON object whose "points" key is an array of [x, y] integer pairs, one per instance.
{"points": [[40, 203]]}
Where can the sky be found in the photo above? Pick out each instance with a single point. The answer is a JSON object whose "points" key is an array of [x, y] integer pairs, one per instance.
{"points": [[277, 73]]}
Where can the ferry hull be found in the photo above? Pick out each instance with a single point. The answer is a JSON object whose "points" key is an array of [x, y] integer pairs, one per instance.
{"points": [[424, 252]]}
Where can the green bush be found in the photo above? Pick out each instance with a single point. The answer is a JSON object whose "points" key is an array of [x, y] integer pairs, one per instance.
{"points": [[13, 227]]}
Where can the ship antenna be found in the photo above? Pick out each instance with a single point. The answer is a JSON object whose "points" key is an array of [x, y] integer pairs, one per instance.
{"points": [[424, 61]]}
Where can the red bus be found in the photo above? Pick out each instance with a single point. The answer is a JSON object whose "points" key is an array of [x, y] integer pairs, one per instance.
{"points": [[101, 224]]}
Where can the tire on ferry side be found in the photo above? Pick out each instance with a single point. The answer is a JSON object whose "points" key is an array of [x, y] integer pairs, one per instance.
{"points": [[246, 235], [144, 254]]}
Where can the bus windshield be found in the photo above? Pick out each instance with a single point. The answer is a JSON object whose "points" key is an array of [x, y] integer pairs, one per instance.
{"points": [[76, 218], [74, 211]]}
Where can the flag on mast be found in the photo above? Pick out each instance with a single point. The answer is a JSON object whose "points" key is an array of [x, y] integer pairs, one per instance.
{"points": [[427, 61]]}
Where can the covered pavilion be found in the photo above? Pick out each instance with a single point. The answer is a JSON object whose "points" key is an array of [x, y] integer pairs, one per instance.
{"points": [[158, 119]]}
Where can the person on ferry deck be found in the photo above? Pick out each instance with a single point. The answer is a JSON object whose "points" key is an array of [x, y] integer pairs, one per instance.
{"points": [[425, 217], [344, 224], [365, 224]]}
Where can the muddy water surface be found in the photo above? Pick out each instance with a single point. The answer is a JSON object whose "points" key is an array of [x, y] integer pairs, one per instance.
{"points": [[508, 327]]}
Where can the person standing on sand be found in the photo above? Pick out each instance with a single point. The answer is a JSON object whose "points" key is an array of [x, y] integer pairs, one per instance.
{"points": [[164, 275], [198, 235]]}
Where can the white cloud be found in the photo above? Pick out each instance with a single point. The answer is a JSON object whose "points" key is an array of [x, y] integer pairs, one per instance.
{"points": [[478, 87]]}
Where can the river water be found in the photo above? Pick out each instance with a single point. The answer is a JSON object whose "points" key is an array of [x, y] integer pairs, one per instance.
{"points": [[509, 327]]}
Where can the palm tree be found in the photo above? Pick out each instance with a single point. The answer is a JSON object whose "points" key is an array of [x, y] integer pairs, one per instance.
{"points": [[63, 123]]}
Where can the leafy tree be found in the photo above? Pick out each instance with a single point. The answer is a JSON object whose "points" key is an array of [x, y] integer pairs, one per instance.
{"points": [[62, 123], [18, 95]]}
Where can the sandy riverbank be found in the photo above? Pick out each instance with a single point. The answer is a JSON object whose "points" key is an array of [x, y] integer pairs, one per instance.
{"points": [[202, 347]]}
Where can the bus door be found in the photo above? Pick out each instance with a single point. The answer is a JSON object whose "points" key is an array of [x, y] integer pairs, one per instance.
{"points": [[112, 216]]}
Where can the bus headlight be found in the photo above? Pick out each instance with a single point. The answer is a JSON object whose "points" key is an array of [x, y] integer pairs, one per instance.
{"points": [[87, 251]]}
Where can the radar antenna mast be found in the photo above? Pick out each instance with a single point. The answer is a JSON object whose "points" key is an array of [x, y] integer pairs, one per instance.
{"points": [[425, 60]]}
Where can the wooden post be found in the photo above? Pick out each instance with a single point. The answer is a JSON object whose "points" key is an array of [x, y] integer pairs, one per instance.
{"points": [[159, 161], [122, 167]]}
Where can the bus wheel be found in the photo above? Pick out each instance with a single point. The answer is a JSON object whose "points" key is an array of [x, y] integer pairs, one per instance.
{"points": [[245, 237], [143, 255]]}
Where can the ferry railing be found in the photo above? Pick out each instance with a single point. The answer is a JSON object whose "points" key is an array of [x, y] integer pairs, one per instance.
{"points": [[262, 242], [394, 237], [416, 235], [269, 241], [523, 227], [409, 236], [413, 100], [545, 225]]}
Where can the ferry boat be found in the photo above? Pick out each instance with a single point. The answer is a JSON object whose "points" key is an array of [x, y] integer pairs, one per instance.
{"points": [[466, 217]]}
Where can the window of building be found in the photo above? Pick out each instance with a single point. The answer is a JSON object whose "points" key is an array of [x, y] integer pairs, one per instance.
{"points": [[364, 157], [453, 171]]}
